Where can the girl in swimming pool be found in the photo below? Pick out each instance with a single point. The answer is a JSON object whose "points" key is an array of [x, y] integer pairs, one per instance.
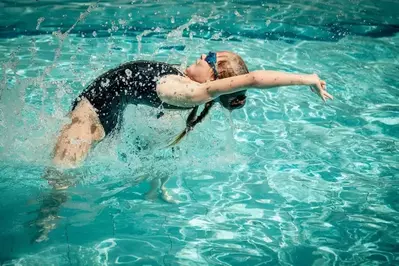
{"points": [[96, 113], [221, 76]]}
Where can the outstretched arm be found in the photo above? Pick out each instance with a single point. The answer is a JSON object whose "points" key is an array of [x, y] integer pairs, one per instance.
{"points": [[182, 91], [266, 79]]}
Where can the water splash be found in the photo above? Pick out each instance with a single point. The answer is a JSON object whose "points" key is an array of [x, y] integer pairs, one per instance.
{"points": [[39, 21], [140, 36]]}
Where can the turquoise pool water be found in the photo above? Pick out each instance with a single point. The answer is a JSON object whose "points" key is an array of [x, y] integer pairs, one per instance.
{"points": [[288, 180]]}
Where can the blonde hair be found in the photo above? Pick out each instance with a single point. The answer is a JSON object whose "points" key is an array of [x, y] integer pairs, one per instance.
{"points": [[228, 65]]}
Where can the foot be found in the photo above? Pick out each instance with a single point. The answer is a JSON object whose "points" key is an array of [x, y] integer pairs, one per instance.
{"points": [[151, 195], [60, 184], [167, 197]]}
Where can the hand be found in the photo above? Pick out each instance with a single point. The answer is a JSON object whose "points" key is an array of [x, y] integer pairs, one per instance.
{"points": [[318, 86]]}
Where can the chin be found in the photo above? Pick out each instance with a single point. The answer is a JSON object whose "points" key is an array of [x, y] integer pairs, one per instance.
{"points": [[198, 79]]}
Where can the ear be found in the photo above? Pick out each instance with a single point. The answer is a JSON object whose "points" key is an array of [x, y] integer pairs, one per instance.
{"points": [[97, 131]]}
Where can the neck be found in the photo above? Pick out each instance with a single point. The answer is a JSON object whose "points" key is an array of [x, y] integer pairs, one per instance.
{"points": [[186, 73]]}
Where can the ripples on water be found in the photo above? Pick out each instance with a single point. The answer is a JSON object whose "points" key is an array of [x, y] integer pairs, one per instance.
{"points": [[290, 181]]}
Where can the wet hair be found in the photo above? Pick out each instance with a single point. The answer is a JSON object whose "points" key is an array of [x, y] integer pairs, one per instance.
{"points": [[228, 65]]}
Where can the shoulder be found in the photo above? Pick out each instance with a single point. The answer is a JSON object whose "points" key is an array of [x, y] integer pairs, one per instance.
{"points": [[180, 91], [175, 80], [170, 84]]}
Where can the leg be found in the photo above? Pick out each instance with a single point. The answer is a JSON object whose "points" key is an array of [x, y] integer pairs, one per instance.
{"points": [[164, 192], [47, 216], [152, 194], [77, 137], [71, 148], [57, 179]]}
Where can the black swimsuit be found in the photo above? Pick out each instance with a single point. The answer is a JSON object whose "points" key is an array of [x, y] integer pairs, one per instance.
{"points": [[131, 83]]}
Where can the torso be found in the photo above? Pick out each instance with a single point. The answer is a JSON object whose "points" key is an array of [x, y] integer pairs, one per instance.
{"points": [[131, 83]]}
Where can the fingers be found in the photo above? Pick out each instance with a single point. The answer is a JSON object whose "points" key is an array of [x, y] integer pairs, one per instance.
{"points": [[321, 90], [316, 89], [327, 95], [323, 84]]}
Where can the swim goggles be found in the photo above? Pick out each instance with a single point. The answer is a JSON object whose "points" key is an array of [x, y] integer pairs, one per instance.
{"points": [[211, 60]]}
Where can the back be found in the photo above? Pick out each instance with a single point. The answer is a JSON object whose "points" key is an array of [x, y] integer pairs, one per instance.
{"points": [[130, 83]]}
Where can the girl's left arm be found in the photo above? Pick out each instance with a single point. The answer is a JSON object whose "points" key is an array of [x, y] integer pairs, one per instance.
{"points": [[181, 91], [265, 79]]}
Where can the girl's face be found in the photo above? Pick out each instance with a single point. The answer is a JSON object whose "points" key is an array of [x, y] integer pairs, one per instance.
{"points": [[200, 71]]}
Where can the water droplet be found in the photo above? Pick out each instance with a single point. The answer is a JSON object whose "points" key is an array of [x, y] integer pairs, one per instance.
{"points": [[94, 34], [39, 21], [237, 14], [128, 72]]}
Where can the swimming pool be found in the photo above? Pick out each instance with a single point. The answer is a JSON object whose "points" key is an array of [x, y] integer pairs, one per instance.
{"points": [[287, 180]]}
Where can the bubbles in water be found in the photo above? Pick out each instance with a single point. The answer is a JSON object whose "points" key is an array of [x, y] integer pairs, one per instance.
{"points": [[145, 33], [237, 14], [216, 36], [122, 22]]}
